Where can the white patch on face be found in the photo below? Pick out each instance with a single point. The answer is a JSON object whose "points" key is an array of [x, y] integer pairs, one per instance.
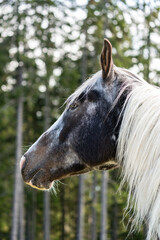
{"points": [[91, 108], [113, 137], [71, 158]]}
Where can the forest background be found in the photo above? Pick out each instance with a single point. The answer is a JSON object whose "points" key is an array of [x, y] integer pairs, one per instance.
{"points": [[47, 49]]}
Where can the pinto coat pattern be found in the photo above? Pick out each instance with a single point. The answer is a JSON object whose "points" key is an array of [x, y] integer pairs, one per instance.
{"points": [[112, 120]]}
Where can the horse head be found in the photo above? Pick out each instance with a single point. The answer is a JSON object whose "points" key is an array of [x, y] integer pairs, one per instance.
{"points": [[84, 137]]}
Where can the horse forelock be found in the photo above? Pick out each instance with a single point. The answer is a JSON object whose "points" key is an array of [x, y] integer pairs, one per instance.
{"points": [[139, 154]]}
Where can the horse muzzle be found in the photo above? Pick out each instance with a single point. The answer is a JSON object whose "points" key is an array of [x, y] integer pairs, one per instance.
{"points": [[37, 177]]}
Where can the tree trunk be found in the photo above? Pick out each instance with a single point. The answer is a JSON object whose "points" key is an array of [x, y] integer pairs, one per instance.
{"points": [[94, 213], [46, 216], [17, 211], [80, 212], [148, 46], [103, 232], [46, 194], [21, 215], [115, 220], [63, 213], [33, 213]]}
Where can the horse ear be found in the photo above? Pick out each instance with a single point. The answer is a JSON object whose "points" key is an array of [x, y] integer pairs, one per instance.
{"points": [[106, 60]]}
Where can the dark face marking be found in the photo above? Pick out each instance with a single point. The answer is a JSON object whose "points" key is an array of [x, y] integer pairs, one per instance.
{"points": [[93, 96], [94, 139]]}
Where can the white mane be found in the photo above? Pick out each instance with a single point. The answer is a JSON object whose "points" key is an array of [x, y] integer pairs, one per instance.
{"points": [[138, 153]]}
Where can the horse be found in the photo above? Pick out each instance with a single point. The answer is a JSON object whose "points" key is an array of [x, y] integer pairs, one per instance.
{"points": [[112, 120]]}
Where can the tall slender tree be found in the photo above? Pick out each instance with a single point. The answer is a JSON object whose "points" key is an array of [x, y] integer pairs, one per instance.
{"points": [[46, 194], [80, 212], [103, 228], [18, 187], [93, 208], [18, 212]]}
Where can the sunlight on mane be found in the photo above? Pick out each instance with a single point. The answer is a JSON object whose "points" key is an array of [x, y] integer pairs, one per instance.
{"points": [[139, 154]]}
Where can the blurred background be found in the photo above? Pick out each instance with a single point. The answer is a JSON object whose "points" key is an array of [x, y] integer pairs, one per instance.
{"points": [[47, 49]]}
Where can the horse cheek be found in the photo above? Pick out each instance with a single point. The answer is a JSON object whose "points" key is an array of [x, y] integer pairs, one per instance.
{"points": [[85, 143], [93, 141]]}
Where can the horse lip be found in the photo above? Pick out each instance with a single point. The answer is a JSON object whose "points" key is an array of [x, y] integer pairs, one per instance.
{"points": [[41, 187], [28, 177], [29, 180]]}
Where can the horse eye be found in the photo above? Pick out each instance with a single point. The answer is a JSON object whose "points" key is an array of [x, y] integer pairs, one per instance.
{"points": [[73, 106]]}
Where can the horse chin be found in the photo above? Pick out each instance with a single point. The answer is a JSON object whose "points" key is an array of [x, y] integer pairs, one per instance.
{"points": [[41, 186], [38, 179], [44, 180]]}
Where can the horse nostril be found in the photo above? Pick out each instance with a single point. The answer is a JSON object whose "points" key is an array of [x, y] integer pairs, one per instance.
{"points": [[22, 161]]}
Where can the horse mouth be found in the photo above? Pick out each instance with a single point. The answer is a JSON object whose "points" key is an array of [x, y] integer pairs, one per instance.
{"points": [[37, 179], [40, 186], [42, 178]]}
